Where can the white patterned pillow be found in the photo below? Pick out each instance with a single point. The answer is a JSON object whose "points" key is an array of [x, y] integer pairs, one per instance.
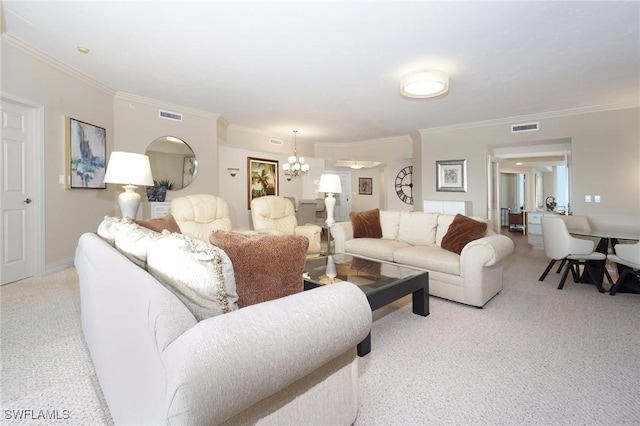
{"points": [[133, 241], [109, 227], [198, 273]]}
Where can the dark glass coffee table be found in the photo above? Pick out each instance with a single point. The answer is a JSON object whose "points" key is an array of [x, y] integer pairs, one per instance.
{"points": [[381, 282]]}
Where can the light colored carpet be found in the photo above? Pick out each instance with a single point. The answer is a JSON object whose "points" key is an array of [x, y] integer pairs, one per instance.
{"points": [[533, 355]]}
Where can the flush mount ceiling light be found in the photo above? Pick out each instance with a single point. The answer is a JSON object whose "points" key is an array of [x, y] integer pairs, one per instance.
{"points": [[424, 84]]}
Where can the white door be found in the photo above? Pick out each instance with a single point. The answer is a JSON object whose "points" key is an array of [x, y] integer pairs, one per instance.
{"points": [[343, 200], [493, 193], [17, 203]]}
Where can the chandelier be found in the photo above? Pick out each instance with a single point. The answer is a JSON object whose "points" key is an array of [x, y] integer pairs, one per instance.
{"points": [[296, 166]]}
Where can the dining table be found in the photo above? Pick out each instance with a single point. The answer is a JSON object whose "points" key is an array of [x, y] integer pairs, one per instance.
{"points": [[607, 238]]}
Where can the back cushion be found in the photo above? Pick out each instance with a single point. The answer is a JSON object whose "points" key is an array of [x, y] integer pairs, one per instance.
{"points": [[110, 226], [418, 228], [444, 221], [134, 240], [390, 223], [199, 274]]}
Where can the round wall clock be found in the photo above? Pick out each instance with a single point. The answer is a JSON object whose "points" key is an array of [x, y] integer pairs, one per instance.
{"points": [[404, 185]]}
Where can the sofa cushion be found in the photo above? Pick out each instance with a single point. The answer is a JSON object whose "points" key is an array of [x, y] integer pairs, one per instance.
{"points": [[377, 248], [390, 222], [134, 240], [433, 258], [418, 228], [159, 224], [199, 274], [109, 226], [266, 266], [462, 230], [366, 224]]}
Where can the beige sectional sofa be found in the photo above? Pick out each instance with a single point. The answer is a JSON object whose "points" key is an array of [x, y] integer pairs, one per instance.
{"points": [[290, 360], [414, 239]]}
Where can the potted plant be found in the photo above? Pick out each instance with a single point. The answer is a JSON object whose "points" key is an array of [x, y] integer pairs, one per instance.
{"points": [[161, 187]]}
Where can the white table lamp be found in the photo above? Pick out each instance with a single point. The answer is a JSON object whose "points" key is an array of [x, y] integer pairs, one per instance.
{"points": [[331, 185], [129, 169]]}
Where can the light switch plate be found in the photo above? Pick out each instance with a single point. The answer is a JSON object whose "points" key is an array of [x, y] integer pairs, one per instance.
{"points": [[587, 198], [596, 198]]}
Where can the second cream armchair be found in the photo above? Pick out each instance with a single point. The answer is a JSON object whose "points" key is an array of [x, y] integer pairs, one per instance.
{"points": [[276, 215]]}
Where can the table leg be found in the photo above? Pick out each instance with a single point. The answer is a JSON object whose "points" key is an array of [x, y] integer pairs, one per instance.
{"points": [[364, 347], [420, 302]]}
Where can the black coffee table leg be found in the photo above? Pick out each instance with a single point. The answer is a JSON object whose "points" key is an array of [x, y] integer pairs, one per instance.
{"points": [[420, 302], [364, 347]]}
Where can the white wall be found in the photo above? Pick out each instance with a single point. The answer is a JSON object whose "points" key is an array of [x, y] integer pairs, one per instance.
{"points": [[29, 75], [605, 159]]}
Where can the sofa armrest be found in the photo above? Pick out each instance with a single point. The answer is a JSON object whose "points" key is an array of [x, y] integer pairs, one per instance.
{"points": [[227, 363], [341, 232], [489, 250]]}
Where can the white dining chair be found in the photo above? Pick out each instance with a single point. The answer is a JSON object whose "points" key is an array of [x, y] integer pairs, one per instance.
{"points": [[627, 255], [560, 245]]}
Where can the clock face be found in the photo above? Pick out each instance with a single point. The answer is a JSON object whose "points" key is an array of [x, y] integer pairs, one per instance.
{"points": [[404, 185]]}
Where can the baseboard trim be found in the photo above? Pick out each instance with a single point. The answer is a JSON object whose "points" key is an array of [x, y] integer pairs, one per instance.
{"points": [[59, 266]]}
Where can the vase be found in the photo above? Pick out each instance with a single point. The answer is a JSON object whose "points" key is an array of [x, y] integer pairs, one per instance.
{"points": [[151, 193], [161, 193]]}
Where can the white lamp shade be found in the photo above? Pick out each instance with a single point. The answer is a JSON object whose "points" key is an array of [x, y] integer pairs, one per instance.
{"points": [[424, 84], [330, 183], [128, 168]]}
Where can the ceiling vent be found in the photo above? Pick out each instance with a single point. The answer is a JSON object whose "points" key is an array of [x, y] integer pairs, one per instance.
{"points": [[527, 127], [273, 141], [170, 115]]}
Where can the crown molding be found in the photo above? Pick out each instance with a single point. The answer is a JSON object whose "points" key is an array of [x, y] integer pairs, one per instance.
{"points": [[165, 105], [31, 51], [368, 142], [539, 116]]}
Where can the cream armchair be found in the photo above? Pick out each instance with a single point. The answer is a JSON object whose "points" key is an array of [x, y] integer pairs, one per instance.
{"points": [[276, 215], [200, 214]]}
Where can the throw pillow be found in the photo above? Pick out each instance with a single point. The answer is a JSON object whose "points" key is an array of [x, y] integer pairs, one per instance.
{"points": [[267, 266], [462, 231], [366, 224], [159, 224], [199, 274]]}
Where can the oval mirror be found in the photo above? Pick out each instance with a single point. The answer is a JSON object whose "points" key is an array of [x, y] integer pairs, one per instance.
{"points": [[172, 160]]}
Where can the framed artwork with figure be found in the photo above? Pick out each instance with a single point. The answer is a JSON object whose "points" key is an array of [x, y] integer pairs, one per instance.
{"points": [[86, 152], [451, 176], [262, 176], [365, 186]]}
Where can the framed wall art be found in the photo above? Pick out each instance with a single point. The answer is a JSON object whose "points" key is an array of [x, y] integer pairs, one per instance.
{"points": [[188, 170], [451, 176], [365, 186], [262, 176], [86, 151]]}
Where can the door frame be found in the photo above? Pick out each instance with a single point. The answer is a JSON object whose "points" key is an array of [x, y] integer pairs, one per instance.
{"points": [[36, 168], [493, 193]]}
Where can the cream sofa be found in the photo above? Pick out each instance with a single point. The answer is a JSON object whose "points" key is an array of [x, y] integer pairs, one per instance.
{"points": [[287, 361], [414, 238]]}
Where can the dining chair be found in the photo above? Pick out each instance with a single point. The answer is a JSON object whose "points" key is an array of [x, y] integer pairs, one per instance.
{"points": [[627, 256], [559, 245]]}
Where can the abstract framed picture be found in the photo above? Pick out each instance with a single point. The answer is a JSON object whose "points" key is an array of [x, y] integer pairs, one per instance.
{"points": [[188, 170], [262, 176], [86, 151], [365, 186], [451, 176]]}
